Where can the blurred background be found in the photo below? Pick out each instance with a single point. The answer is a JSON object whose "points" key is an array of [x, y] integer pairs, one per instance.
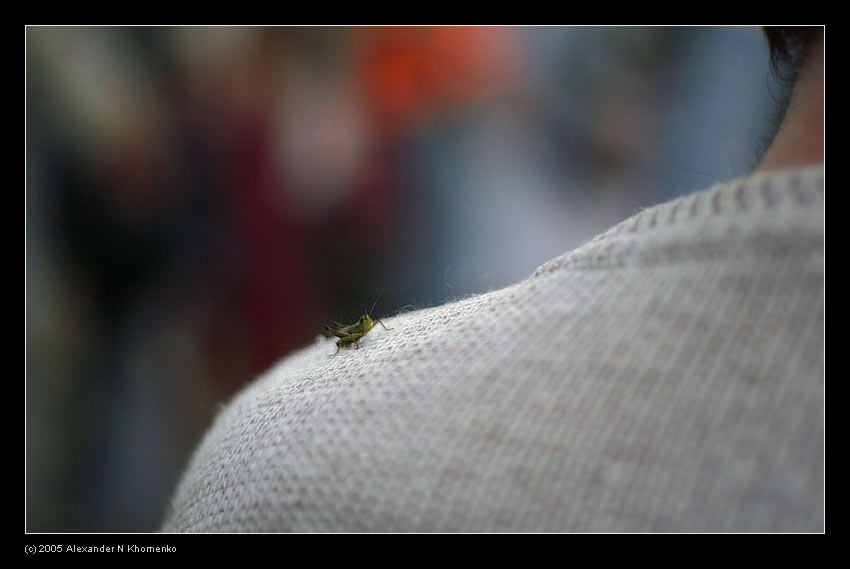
{"points": [[201, 200]]}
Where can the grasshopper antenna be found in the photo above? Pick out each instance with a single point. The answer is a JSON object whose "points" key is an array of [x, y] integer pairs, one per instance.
{"points": [[374, 303]]}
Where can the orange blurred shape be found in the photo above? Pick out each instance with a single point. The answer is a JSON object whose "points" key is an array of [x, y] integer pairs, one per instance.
{"points": [[410, 73]]}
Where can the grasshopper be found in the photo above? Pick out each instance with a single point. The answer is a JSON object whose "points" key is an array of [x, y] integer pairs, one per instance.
{"points": [[352, 334]]}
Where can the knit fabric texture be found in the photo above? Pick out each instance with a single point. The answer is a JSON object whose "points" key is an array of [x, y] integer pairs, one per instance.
{"points": [[667, 376]]}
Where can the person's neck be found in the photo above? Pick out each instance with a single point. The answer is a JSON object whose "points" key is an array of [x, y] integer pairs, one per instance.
{"points": [[799, 141]]}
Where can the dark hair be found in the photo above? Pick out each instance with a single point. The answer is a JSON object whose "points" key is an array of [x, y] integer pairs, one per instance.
{"points": [[789, 46]]}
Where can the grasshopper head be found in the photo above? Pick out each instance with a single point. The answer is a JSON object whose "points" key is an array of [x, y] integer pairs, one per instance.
{"points": [[365, 322]]}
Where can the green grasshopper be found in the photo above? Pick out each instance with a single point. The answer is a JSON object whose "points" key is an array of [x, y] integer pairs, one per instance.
{"points": [[352, 334]]}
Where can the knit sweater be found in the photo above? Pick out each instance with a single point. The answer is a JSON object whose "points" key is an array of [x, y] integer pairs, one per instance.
{"points": [[667, 376]]}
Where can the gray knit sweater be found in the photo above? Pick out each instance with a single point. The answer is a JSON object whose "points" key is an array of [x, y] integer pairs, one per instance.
{"points": [[666, 376]]}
